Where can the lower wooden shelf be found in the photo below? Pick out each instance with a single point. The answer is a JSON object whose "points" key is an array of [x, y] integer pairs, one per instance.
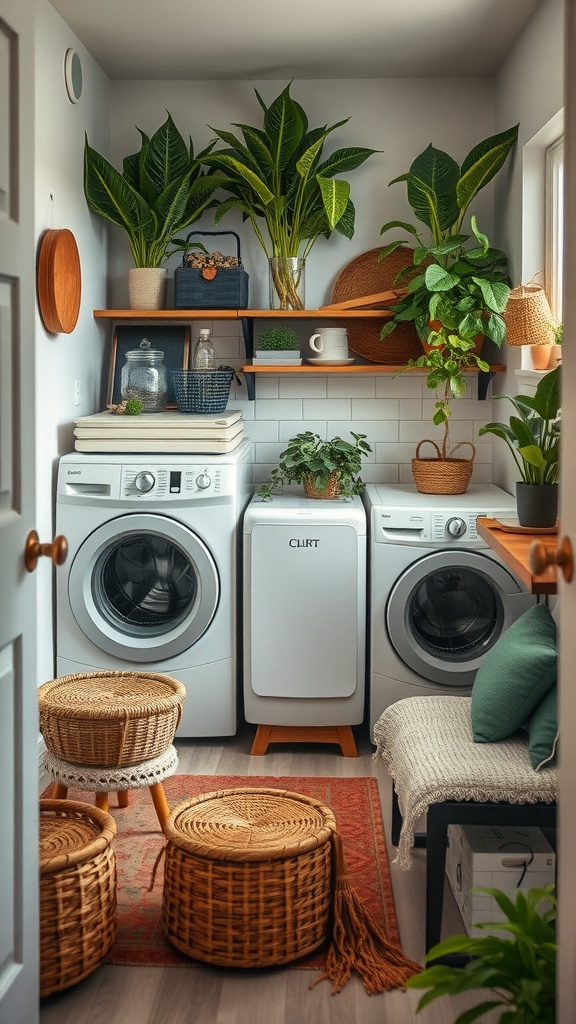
{"points": [[514, 548], [352, 368]]}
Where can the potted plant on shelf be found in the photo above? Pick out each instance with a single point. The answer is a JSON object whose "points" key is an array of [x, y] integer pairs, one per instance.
{"points": [[517, 973], [327, 469], [279, 345], [277, 179], [161, 190], [533, 437]]}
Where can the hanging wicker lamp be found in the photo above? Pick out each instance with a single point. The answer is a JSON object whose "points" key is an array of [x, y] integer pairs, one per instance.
{"points": [[529, 319]]}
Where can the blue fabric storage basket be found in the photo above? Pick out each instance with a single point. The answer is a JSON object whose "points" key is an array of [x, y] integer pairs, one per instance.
{"points": [[227, 289], [202, 390]]}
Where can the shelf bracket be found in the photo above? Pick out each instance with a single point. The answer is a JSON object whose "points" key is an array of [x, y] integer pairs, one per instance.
{"points": [[483, 384], [248, 334]]}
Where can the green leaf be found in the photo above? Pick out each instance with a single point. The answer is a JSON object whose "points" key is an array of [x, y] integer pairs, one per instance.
{"points": [[166, 156], [391, 247], [547, 397], [399, 224], [495, 328], [495, 295], [345, 225], [482, 163], [242, 171], [432, 189], [343, 160], [284, 126], [438, 279], [470, 326], [335, 194], [108, 194]]}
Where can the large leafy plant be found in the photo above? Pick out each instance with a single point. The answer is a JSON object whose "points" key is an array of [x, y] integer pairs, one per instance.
{"points": [[309, 455], [533, 435], [276, 177], [161, 190], [519, 971], [462, 282]]}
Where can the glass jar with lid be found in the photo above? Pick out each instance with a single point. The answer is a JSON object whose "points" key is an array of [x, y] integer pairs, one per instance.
{"points": [[144, 376]]}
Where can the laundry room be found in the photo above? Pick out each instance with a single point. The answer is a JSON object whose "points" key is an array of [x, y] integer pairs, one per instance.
{"points": [[227, 483]]}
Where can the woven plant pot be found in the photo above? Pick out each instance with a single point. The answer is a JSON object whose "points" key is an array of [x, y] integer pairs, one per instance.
{"points": [[332, 489], [77, 892], [110, 719], [442, 475], [364, 275], [248, 876]]}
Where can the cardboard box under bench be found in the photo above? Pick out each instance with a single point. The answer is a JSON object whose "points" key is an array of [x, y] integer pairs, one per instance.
{"points": [[495, 857]]}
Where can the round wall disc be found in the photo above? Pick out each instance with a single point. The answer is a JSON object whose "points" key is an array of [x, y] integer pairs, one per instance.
{"points": [[59, 281]]}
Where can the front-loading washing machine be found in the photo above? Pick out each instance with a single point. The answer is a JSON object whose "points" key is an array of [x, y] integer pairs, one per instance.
{"points": [[151, 577], [439, 598]]}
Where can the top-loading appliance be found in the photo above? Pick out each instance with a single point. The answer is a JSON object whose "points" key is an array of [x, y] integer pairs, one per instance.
{"points": [[152, 575], [439, 598], [304, 569]]}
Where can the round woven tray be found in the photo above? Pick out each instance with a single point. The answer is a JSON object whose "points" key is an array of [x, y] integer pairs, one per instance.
{"points": [[247, 879], [110, 719], [77, 891], [364, 275]]}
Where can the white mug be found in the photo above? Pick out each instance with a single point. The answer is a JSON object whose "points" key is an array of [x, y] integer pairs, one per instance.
{"points": [[330, 343]]}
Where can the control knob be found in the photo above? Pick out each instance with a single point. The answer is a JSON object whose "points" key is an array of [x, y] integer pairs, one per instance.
{"points": [[203, 481], [144, 482], [456, 527]]}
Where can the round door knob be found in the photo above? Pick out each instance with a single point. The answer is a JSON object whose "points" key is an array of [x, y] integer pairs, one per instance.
{"points": [[456, 527], [33, 550], [203, 481], [144, 482], [540, 557]]}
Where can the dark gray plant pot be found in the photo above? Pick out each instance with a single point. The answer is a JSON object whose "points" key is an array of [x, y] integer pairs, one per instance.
{"points": [[537, 504]]}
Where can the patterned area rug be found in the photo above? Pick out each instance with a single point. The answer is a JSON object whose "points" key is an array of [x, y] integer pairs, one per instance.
{"points": [[141, 940]]}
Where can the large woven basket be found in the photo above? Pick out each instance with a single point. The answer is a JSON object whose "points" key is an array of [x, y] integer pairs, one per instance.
{"points": [[77, 892], [248, 876], [364, 275], [110, 719], [442, 475], [528, 316]]}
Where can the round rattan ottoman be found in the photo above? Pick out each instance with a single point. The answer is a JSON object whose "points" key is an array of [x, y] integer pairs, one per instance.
{"points": [[110, 719], [248, 876], [77, 892]]}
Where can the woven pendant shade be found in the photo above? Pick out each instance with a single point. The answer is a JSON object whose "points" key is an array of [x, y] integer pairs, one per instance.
{"points": [[529, 319]]}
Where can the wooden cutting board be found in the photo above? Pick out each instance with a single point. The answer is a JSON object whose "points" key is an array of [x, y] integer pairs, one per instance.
{"points": [[59, 281]]}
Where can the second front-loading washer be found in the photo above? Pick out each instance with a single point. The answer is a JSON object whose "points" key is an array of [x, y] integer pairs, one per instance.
{"points": [[152, 573], [439, 598]]}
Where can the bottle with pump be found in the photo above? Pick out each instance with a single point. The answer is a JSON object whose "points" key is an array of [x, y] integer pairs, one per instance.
{"points": [[204, 354]]}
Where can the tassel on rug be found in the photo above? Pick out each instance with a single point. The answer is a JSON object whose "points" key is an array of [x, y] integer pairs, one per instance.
{"points": [[358, 943]]}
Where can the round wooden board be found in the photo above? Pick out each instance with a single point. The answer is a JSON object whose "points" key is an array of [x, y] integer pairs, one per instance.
{"points": [[59, 281]]}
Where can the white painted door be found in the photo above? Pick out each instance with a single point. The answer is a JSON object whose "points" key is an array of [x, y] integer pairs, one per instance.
{"points": [[567, 831], [18, 701]]}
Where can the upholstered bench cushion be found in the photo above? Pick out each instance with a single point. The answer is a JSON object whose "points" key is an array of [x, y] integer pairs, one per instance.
{"points": [[430, 753]]}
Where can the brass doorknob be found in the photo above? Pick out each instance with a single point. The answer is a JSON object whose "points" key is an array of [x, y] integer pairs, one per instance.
{"points": [[540, 557], [33, 550]]}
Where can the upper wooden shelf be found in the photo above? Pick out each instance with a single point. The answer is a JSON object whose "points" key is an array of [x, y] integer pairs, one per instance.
{"points": [[513, 549], [353, 368], [241, 314]]}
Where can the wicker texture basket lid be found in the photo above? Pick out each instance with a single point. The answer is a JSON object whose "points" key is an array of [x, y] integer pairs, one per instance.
{"points": [[71, 832], [364, 275], [246, 824], [106, 694]]}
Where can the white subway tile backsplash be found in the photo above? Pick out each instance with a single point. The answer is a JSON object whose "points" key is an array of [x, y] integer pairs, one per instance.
{"points": [[262, 430], [326, 408], [279, 408], [351, 387], [410, 409], [375, 430], [377, 409], [403, 386], [302, 387], [379, 473], [267, 453], [266, 387], [388, 453], [287, 430]]}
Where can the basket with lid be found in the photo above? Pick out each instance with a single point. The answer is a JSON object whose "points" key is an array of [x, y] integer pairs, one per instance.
{"points": [[247, 878], [211, 280], [110, 719]]}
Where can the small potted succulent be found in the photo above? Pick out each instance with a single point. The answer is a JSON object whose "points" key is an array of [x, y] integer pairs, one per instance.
{"points": [[278, 344], [327, 469]]}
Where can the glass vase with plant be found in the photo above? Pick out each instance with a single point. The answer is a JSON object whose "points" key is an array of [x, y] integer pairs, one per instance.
{"points": [[327, 469], [277, 178]]}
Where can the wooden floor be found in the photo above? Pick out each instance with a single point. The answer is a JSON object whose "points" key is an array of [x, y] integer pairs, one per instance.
{"points": [[203, 995]]}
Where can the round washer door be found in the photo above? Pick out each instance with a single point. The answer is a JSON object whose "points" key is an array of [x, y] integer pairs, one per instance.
{"points": [[446, 611], [143, 587]]}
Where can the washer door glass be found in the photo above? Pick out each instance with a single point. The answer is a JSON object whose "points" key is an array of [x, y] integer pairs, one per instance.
{"points": [[446, 611], [143, 587]]}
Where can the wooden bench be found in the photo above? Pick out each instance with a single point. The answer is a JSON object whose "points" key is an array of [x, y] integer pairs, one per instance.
{"points": [[437, 769]]}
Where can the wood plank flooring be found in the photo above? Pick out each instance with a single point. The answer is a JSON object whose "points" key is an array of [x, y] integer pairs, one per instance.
{"points": [[204, 995]]}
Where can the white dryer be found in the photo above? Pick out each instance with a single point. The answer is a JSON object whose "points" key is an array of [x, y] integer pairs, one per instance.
{"points": [[439, 598], [304, 611], [152, 572]]}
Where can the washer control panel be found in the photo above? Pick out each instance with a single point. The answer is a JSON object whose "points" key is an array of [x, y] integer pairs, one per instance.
{"points": [[166, 483]]}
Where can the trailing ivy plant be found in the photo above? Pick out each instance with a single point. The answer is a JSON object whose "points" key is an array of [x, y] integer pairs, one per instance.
{"points": [[309, 455], [276, 177], [161, 190]]}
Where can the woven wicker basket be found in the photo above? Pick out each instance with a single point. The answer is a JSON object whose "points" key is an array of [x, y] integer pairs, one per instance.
{"points": [[442, 475], [364, 275], [528, 316], [77, 892], [110, 719], [248, 876], [331, 490]]}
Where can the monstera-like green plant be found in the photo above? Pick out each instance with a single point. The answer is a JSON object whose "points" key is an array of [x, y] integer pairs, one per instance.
{"points": [[161, 190], [276, 177]]}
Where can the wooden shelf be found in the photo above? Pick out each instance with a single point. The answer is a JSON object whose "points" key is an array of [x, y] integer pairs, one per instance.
{"points": [[513, 549], [241, 314], [352, 368]]}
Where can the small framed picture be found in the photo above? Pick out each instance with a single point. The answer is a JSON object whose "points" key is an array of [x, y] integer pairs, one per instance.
{"points": [[174, 342]]}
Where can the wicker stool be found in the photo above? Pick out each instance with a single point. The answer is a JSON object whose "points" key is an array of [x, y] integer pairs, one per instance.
{"points": [[248, 876], [119, 780], [77, 892]]}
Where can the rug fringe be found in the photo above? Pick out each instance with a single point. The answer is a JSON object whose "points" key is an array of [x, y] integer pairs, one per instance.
{"points": [[358, 943], [156, 866]]}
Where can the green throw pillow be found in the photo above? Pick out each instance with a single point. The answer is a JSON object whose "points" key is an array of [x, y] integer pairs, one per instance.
{"points": [[514, 676], [542, 729]]}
